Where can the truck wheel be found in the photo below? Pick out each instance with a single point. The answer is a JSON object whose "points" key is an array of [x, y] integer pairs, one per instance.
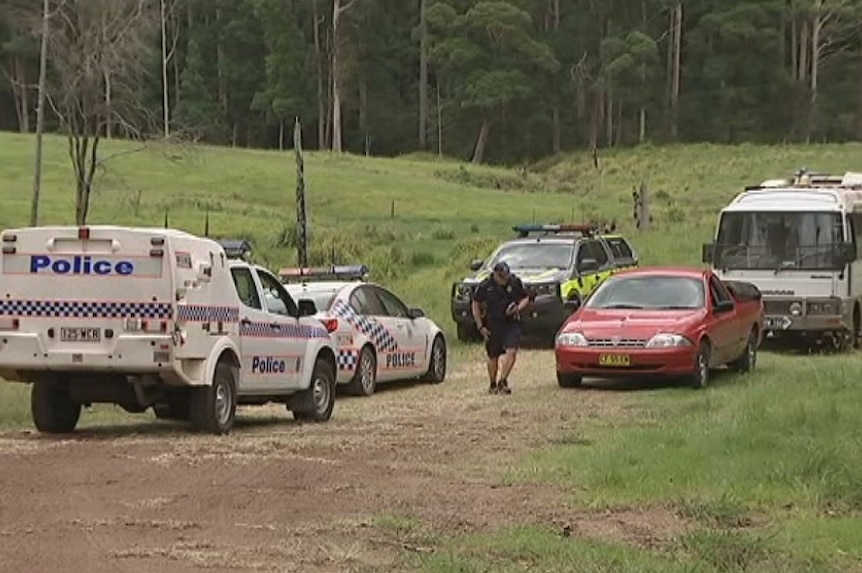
{"points": [[566, 380], [213, 407], [748, 360], [319, 398], [52, 408], [700, 377], [437, 365], [364, 379]]}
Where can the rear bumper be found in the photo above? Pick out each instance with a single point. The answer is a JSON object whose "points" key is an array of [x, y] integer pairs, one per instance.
{"points": [[779, 320], [22, 353], [584, 361]]}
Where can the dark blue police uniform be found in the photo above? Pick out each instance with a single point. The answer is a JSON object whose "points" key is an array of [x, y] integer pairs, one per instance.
{"points": [[505, 330]]}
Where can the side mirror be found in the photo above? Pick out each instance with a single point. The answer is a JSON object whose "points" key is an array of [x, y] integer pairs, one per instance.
{"points": [[415, 313], [723, 306], [476, 264], [306, 307], [848, 253], [588, 266], [707, 251]]}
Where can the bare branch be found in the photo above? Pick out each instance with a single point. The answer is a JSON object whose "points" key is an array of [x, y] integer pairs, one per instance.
{"points": [[347, 6]]}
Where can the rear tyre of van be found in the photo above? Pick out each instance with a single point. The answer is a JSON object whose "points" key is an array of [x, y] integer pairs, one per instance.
{"points": [[52, 407], [213, 407]]}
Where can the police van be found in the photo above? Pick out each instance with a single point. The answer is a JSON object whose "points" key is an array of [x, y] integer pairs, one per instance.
{"points": [[154, 318], [796, 239]]}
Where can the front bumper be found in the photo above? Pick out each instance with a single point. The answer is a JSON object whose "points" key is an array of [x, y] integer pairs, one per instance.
{"points": [[809, 317], [584, 361], [544, 315]]}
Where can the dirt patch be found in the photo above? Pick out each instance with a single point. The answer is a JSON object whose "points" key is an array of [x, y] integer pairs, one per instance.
{"points": [[276, 495]]}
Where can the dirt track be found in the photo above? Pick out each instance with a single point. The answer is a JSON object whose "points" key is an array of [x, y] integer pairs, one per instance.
{"points": [[277, 496]]}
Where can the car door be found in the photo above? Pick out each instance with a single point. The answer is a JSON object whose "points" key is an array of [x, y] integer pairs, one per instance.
{"points": [[369, 322], [590, 249], [283, 362], [723, 330], [253, 338], [408, 358]]}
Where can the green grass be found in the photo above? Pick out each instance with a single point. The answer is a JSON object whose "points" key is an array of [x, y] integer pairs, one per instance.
{"points": [[768, 469]]}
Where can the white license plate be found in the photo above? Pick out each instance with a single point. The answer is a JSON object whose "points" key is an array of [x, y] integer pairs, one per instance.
{"points": [[776, 322], [80, 334]]}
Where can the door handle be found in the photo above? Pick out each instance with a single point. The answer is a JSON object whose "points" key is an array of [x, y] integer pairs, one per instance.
{"points": [[245, 321]]}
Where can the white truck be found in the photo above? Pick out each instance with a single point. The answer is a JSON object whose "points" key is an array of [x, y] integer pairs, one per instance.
{"points": [[796, 239], [158, 318]]}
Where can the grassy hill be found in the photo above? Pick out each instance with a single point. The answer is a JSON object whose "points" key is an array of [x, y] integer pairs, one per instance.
{"points": [[416, 220]]}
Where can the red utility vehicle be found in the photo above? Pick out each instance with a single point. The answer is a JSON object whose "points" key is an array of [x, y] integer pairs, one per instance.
{"points": [[673, 321]]}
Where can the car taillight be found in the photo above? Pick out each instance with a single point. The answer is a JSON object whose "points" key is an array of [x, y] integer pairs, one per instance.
{"points": [[83, 233], [331, 324], [9, 323], [139, 325]]}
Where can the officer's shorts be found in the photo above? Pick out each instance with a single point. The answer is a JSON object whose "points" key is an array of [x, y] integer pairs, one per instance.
{"points": [[503, 337]]}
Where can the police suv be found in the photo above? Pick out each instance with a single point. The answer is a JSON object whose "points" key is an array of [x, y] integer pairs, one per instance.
{"points": [[560, 264], [157, 318]]}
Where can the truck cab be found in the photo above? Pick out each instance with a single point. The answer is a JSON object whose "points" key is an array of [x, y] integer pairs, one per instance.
{"points": [[154, 318], [796, 240]]}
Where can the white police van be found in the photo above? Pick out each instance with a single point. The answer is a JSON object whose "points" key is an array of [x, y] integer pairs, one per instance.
{"points": [[157, 318], [796, 239]]}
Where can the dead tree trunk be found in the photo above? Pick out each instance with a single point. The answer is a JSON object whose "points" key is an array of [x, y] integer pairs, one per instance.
{"points": [[482, 141], [423, 76], [40, 115]]}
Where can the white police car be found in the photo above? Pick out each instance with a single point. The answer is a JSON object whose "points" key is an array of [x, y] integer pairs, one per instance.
{"points": [[377, 337]]}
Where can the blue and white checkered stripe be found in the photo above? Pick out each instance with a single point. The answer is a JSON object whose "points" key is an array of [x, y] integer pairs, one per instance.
{"points": [[381, 338], [265, 330], [202, 313], [347, 359], [84, 309]]}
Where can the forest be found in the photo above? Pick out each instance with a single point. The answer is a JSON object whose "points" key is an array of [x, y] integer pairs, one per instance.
{"points": [[491, 81]]}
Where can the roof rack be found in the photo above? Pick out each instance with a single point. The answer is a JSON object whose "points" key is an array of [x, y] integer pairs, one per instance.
{"points": [[555, 229], [235, 248], [332, 272], [804, 178]]}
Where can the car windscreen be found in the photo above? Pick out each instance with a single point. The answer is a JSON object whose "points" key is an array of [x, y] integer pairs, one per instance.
{"points": [[537, 255], [654, 292], [779, 240]]}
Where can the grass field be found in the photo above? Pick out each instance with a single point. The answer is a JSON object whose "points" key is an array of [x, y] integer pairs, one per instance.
{"points": [[769, 469]]}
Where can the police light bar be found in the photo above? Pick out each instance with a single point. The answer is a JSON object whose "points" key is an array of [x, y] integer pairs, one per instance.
{"points": [[526, 229], [235, 248], [344, 272]]}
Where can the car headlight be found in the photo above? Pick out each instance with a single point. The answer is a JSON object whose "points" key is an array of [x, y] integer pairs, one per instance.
{"points": [[544, 289], [571, 339], [795, 309], [666, 340]]}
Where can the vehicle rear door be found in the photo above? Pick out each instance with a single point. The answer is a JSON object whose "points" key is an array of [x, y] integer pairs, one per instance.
{"points": [[409, 358], [725, 328], [368, 318]]}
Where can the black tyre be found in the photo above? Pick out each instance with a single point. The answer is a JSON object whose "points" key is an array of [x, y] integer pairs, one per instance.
{"points": [[213, 407], [365, 378], [748, 360], [566, 380], [699, 378], [318, 401], [52, 408], [437, 364]]}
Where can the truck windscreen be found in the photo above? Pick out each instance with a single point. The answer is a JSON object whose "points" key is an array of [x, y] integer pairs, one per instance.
{"points": [[779, 240]]}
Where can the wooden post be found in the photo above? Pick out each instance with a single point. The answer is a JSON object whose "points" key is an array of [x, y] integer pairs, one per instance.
{"points": [[392, 209], [301, 205]]}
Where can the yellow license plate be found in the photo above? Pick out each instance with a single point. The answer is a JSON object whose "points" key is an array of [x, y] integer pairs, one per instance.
{"points": [[615, 360]]}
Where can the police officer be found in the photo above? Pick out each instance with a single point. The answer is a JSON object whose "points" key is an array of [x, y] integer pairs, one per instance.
{"points": [[504, 297]]}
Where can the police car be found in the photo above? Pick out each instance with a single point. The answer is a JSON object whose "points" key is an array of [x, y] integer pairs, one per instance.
{"points": [[378, 338], [559, 264], [154, 318]]}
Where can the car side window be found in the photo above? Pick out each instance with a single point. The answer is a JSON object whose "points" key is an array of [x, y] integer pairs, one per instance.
{"points": [[394, 307], [364, 301], [599, 253], [592, 250], [278, 300], [620, 248], [246, 288], [718, 292]]}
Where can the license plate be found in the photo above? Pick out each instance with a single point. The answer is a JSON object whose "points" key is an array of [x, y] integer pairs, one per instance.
{"points": [[616, 360], [80, 334], [776, 322]]}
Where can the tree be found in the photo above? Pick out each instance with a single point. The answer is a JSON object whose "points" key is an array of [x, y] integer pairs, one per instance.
{"points": [[40, 112], [93, 40], [337, 10]]}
